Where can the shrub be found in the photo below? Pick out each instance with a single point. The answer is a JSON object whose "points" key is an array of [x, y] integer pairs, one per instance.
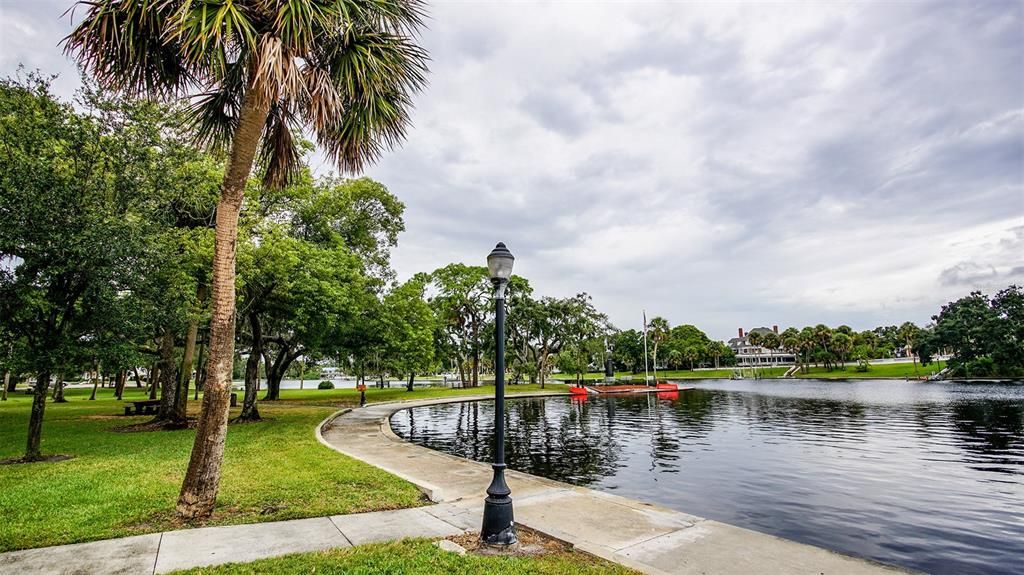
{"points": [[325, 385]]}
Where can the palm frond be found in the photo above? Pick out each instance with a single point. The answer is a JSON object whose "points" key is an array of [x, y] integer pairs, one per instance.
{"points": [[215, 113], [124, 45], [373, 74], [279, 153]]}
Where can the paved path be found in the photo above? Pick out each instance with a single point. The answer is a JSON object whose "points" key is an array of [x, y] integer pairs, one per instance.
{"points": [[172, 550], [646, 537]]}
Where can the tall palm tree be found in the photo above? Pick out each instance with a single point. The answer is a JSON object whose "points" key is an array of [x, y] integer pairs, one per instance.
{"points": [[658, 331], [257, 73]]}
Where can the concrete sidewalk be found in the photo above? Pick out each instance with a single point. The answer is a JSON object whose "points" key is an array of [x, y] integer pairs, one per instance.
{"points": [[645, 537], [172, 550]]}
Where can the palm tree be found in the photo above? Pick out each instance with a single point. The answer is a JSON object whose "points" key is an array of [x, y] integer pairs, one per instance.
{"points": [[658, 332], [257, 72], [754, 338], [772, 342]]}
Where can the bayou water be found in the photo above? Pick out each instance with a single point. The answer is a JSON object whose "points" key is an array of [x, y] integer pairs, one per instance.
{"points": [[928, 476]]}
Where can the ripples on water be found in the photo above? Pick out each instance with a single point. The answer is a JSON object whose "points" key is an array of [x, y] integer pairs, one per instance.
{"points": [[928, 476]]}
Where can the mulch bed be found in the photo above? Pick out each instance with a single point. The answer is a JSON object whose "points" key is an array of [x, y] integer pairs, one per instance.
{"points": [[531, 544]]}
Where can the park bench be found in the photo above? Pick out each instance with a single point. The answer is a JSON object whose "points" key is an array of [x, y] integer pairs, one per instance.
{"points": [[145, 407]]}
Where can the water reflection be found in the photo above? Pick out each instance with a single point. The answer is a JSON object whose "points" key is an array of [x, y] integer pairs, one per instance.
{"points": [[929, 476]]}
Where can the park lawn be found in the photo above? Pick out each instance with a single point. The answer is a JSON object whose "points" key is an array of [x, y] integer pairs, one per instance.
{"points": [[122, 484], [882, 370], [416, 557]]}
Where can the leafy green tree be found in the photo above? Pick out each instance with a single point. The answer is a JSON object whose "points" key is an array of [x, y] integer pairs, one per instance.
{"points": [[984, 335], [628, 350], [69, 238], [409, 326], [462, 304], [263, 70]]}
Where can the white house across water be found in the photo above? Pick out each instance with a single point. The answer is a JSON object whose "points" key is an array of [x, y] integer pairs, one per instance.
{"points": [[749, 355]]}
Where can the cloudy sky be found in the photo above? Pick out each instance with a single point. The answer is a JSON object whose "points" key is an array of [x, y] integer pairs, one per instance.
{"points": [[718, 164]]}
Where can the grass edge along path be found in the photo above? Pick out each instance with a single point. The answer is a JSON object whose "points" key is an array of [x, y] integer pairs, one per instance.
{"points": [[416, 557], [120, 484]]}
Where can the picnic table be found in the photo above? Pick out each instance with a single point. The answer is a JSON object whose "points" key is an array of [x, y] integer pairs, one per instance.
{"points": [[144, 407]]}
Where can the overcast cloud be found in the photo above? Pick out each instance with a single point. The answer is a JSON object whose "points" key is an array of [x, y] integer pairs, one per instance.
{"points": [[718, 164]]}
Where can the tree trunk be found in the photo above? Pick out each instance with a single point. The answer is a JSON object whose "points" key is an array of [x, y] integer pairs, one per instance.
{"points": [[35, 421], [7, 381], [122, 378], [168, 381], [138, 379], [202, 480], [275, 372], [154, 373], [95, 384], [250, 412], [58, 390], [302, 376], [187, 357], [412, 379], [200, 371]]}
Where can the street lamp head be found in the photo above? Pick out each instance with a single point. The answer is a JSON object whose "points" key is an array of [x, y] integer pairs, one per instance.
{"points": [[499, 263]]}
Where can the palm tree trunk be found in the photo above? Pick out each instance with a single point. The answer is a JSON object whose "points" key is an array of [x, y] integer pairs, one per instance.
{"points": [[202, 480]]}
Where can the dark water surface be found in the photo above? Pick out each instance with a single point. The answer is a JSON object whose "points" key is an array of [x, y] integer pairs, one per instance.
{"points": [[924, 475]]}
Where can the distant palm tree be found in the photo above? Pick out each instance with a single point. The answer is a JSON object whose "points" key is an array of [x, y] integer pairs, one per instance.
{"points": [[258, 72], [658, 332], [754, 339]]}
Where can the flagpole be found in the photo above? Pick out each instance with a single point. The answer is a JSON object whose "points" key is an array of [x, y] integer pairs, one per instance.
{"points": [[645, 347]]}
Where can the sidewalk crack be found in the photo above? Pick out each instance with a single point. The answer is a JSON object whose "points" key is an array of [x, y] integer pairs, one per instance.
{"points": [[343, 536], [156, 558]]}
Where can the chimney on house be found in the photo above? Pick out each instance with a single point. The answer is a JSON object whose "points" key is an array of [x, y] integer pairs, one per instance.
{"points": [[775, 328], [741, 332]]}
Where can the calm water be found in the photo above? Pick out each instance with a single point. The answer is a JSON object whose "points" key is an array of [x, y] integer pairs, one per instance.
{"points": [[928, 476]]}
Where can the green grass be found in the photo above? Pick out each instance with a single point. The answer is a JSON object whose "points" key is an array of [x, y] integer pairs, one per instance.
{"points": [[884, 370], [126, 483], [415, 557]]}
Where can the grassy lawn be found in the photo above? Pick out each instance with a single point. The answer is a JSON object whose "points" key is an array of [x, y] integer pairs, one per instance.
{"points": [[884, 370], [127, 483], [416, 557]]}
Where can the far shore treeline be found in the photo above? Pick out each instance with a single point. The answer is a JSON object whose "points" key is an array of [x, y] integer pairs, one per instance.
{"points": [[106, 247]]}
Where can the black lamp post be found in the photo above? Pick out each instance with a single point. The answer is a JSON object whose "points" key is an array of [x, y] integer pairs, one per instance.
{"points": [[499, 525]]}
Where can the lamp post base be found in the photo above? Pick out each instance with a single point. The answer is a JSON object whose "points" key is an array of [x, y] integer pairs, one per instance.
{"points": [[499, 527]]}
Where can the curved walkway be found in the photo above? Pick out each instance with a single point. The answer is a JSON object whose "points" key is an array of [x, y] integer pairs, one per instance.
{"points": [[646, 537]]}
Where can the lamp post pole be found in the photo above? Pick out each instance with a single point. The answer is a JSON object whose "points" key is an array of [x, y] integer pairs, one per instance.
{"points": [[498, 522]]}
